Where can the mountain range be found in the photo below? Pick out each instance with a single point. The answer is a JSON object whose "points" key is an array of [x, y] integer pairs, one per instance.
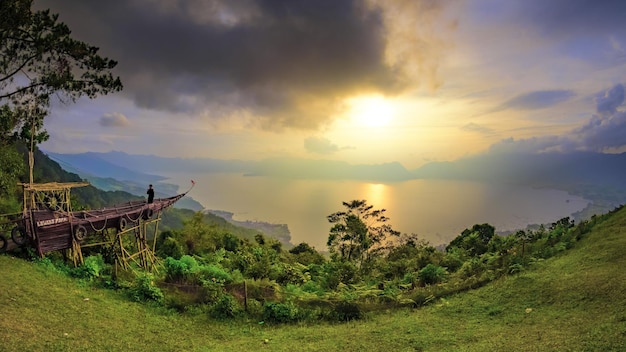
{"points": [[597, 177]]}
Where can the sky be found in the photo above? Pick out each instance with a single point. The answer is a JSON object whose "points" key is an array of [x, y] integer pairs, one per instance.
{"points": [[362, 81]]}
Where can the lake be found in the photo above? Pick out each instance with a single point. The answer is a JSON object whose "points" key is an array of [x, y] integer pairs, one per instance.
{"points": [[435, 210]]}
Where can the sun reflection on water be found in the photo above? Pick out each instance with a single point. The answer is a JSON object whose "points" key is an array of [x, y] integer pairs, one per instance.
{"points": [[376, 195]]}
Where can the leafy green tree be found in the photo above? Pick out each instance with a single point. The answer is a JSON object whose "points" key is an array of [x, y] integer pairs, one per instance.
{"points": [[198, 236], [408, 255], [11, 167], [39, 59], [360, 233], [523, 237], [475, 240], [305, 254]]}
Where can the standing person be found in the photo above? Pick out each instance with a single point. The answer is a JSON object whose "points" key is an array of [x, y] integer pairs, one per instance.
{"points": [[150, 194]]}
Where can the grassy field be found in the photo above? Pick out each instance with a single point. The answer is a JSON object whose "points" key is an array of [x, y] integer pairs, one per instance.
{"points": [[573, 302]]}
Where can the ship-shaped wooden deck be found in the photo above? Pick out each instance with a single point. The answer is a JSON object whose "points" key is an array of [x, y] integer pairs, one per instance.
{"points": [[49, 224]]}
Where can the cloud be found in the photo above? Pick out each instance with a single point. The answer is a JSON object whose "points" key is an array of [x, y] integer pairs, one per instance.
{"points": [[320, 146], [287, 63], [603, 132], [538, 100], [473, 127], [582, 29], [575, 17], [113, 120], [607, 102]]}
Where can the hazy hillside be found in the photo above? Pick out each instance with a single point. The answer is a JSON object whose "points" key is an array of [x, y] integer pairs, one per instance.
{"points": [[533, 169], [276, 167], [106, 192], [91, 164], [47, 170], [114, 177], [594, 176], [547, 169]]}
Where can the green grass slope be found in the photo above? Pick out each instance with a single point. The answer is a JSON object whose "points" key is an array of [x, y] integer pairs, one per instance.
{"points": [[573, 302]]}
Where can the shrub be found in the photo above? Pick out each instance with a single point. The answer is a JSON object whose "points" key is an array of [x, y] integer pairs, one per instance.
{"points": [[280, 312], [226, 307], [409, 279], [181, 270], [144, 289], [216, 272], [347, 310], [170, 248], [339, 272], [91, 269], [312, 287], [432, 274], [292, 274], [212, 290], [263, 290], [472, 267]]}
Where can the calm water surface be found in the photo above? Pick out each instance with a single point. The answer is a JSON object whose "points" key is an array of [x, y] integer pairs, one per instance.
{"points": [[436, 210]]}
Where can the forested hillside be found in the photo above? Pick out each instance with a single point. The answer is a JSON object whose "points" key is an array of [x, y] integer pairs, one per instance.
{"points": [[574, 301], [90, 197]]}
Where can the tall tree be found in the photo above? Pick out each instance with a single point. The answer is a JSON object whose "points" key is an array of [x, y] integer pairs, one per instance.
{"points": [[474, 240], [39, 59], [359, 233]]}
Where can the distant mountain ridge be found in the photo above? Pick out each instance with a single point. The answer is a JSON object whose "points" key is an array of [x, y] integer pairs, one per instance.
{"points": [[595, 176], [125, 166], [510, 167], [533, 169], [110, 176]]}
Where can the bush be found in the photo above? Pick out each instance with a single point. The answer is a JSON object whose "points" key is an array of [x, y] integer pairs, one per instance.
{"points": [[215, 272], [472, 267], [181, 270], [170, 248], [291, 274], [312, 287], [280, 312], [432, 274], [91, 269], [339, 272], [212, 290], [226, 307], [346, 311], [144, 289], [409, 279]]}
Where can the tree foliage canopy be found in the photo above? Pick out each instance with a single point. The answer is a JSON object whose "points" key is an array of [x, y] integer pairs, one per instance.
{"points": [[358, 233], [474, 240], [38, 59]]}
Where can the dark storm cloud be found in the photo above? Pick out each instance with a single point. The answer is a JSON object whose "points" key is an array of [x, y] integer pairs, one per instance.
{"points": [[274, 58], [538, 100]]}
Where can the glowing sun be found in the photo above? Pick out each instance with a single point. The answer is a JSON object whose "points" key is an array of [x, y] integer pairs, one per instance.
{"points": [[370, 111]]}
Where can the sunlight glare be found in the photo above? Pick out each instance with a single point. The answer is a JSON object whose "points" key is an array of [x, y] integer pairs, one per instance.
{"points": [[371, 111], [376, 194]]}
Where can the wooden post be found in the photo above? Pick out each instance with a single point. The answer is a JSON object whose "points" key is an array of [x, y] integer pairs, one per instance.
{"points": [[245, 295]]}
